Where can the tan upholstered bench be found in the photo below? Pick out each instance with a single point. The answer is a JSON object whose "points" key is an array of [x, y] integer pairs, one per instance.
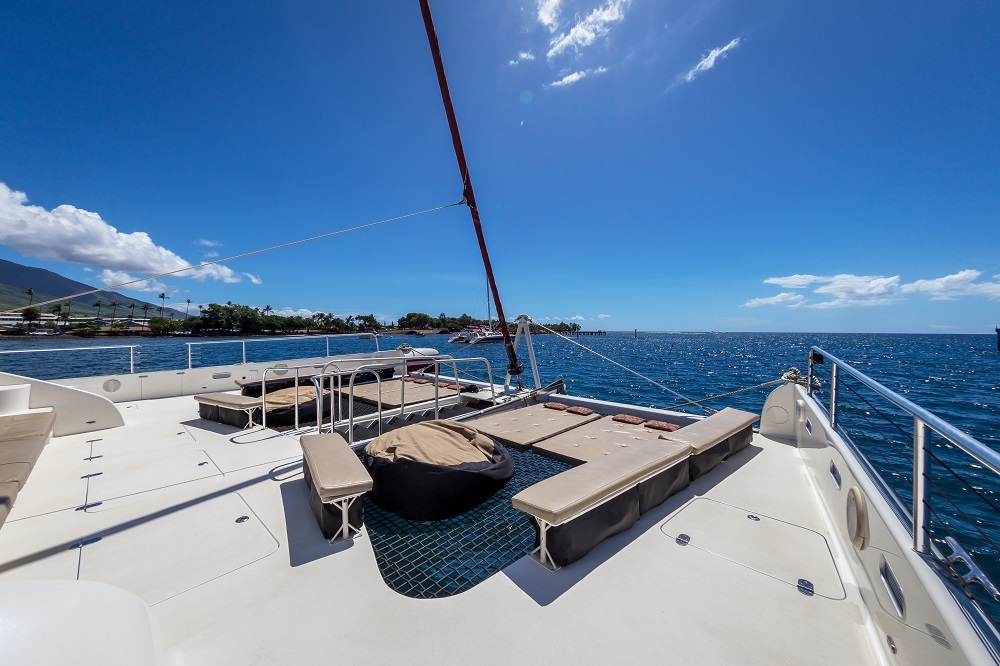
{"points": [[336, 480], [229, 408], [715, 438], [577, 509], [22, 438]]}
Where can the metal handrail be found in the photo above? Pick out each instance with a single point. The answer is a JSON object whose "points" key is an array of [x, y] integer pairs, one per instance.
{"points": [[368, 367], [274, 339], [263, 390], [131, 352], [922, 420]]}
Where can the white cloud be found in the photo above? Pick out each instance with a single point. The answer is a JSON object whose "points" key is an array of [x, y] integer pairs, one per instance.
{"points": [[521, 57], [589, 29], [797, 281], [109, 277], [68, 233], [210, 254], [207, 243], [949, 287], [289, 312], [575, 76], [603, 316], [784, 298], [578, 318], [708, 61], [254, 278], [548, 13], [846, 290]]}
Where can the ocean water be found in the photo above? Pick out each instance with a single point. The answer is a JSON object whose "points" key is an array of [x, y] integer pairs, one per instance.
{"points": [[957, 377]]}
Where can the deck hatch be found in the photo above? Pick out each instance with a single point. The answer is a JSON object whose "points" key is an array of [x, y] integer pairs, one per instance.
{"points": [[772, 547]]}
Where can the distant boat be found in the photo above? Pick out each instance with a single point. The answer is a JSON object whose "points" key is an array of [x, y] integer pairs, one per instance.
{"points": [[42, 331], [486, 336]]}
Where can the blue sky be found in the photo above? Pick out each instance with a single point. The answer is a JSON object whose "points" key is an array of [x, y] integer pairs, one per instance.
{"points": [[730, 166]]}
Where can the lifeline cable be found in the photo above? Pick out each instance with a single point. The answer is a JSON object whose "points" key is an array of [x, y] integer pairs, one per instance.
{"points": [[236, 256], [707, 410]]}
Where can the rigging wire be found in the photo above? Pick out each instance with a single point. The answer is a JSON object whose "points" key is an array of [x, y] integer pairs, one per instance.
{"points": [[707, 410], [239, 256]]}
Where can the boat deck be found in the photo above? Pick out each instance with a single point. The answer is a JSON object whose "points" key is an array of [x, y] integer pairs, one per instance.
{"points": [[210, 526]]}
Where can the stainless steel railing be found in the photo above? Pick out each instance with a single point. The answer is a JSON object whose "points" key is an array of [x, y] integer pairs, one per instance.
{"points": [[286, 338], [131, 352], [384, 364], [854, 416]]}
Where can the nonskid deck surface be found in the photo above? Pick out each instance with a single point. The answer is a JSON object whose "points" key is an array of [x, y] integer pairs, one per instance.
{"points": [[210, 525]]}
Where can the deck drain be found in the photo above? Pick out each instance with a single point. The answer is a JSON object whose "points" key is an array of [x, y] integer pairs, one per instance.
{"points": [[753, 517], [806, 587], [683, 539], [243, 519]]}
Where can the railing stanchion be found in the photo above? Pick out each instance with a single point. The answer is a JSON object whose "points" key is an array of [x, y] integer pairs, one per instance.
{"points": [[244, 352], [833, 395], [189, 355], [921, 537], [131, 360], [809, 374]]}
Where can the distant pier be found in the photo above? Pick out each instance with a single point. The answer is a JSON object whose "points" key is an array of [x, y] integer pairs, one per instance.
{"points": [[585, 333]]}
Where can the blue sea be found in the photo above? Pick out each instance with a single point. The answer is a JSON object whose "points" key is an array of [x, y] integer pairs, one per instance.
{"points": [[956, 377]]}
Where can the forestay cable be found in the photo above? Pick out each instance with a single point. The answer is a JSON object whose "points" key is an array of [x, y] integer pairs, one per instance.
{"points": [[238, 256], [688, 400]]}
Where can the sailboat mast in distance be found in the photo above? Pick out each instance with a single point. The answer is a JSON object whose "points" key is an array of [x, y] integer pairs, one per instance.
{"points": [[514, 367]]}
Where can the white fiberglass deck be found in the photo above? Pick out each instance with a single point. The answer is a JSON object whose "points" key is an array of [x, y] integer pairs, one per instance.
{"points": [[164, 495]]}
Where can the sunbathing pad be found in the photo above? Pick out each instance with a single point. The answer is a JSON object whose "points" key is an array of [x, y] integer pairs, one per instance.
{"points": [[594, 440], [520, 428]]}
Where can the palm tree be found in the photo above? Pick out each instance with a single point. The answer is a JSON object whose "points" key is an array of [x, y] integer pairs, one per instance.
{"points": [[56, 310], [188, 308], [131, 314], [268, 309], [163, 301], [31, 295], [145, 313], [69, 307], [98, 305], [29, 315], [114, 311]]}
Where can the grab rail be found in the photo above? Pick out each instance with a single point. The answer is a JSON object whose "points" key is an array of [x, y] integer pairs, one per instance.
{"points": [[263, 389], [131, 352], [243, 343], [368, 367], [923, 421]]}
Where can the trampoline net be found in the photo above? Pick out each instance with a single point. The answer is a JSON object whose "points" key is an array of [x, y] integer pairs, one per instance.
{"points": [[431, 560]]}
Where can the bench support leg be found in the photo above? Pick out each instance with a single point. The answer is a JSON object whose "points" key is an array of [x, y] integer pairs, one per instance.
{"points": [[347, 531], [542, 552]]}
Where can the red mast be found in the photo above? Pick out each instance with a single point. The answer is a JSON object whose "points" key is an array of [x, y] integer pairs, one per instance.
{"points": [[514, 367]]}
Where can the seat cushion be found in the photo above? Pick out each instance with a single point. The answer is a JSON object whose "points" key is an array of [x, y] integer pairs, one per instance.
{"points": [[568, 494], [26, 425], [22, 451], [706, 433], [14, 472], [335, 470], [594, 440], [8, 493]]}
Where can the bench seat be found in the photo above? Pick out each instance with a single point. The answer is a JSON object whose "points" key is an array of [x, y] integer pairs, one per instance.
{"points": [[715, 438], [23, 436], [229, 408], [574, 511], [336, 480]]}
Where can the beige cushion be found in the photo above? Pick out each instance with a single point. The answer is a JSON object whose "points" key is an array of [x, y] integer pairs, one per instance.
{"points": [[564, 496], [26, 425], [8, 493], [14, 472], [434, 442], [525, 426], [336, 470], [594, 440], [393, 394], [285, 397], [706, 433], [228, 400]]}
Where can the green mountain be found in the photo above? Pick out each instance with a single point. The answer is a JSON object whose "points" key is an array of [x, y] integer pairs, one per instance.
{"points": [[15, 279]]}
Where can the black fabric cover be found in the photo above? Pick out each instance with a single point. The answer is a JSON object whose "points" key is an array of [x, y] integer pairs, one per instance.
{"points": [[740, 440], [422, 491], [329, 517], [570, 541], [707, 460], [653, 491], [233, 417]]}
